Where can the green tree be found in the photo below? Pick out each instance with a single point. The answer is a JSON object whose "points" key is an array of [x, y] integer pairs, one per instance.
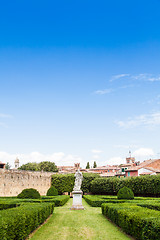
{"points": [[48, 166], [7, 166], [29, 167], [94, 164], [88, 166], [42, 166]]}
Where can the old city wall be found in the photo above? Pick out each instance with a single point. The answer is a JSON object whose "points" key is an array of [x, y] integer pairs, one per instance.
{"points": [[12, 182]]}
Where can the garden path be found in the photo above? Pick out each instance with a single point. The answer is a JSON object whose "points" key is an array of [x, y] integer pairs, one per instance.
{"points": [[88, 224]]}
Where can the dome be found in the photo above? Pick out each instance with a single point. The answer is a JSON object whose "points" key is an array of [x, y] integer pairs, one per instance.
{"points": [[17, 160]]}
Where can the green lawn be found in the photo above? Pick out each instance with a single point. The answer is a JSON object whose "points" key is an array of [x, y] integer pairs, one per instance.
{"points": [[66, 224]]}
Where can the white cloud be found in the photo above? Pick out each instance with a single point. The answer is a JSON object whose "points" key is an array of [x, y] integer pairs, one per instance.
{"points": [[146, 77], [143, 153], [115, 77], [154, 79], [96, 156], [96, 151], [139, 77], [125, 146], [102, 92], [115, 161], [152, 119], [59, 158]]}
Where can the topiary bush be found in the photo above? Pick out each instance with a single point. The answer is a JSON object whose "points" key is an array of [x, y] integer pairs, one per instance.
{"points": [[29, 193], [125, 193], [52, 191]]}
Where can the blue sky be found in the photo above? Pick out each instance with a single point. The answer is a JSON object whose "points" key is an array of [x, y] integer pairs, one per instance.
{"points": [[79, 81]]}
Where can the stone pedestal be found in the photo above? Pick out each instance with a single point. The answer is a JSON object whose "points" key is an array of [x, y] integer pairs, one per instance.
{"points": [[77, 200]]}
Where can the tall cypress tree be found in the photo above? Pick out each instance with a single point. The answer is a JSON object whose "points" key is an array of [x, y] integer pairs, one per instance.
{"points": [[94, 164], [88, 166]]}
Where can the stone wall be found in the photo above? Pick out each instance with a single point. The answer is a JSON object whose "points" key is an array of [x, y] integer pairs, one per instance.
{"points": [[12, 182]]}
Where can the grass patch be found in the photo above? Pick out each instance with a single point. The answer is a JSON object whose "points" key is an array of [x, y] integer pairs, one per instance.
{"points": [[88, 224]]}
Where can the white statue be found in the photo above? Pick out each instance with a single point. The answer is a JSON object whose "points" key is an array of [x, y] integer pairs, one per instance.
{"points": [[78, 181]]}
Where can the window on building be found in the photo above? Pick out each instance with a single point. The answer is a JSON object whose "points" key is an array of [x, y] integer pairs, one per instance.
{"points": [[108, 170], [128, 174], [122, 169]]}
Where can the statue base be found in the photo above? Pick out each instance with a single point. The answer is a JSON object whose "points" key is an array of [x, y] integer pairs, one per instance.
{"points": [[77, 200]]}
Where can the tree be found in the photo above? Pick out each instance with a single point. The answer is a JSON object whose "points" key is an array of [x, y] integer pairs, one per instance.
{"points": [[48, 167], [29, 167], [7, 166], [42, 166], [94, 164], [88, 166]]}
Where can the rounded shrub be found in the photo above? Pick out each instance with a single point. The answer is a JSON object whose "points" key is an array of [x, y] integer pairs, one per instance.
{"points": [[125, 193], [30, 193], [52, 191]]}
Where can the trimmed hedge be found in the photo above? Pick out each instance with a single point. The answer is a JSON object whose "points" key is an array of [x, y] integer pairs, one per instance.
{"points": [[58, 200], [125, 193], [18, 223], [155, 205], [65, 183], [52, 191], [96, 201], [141, 223], [87, 179], [107, 186], [148, 186], [30, 193], [8, 205]]}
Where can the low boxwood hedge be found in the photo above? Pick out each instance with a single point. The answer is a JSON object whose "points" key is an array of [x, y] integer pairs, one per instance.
{"points": [[18, 223], [58, 200], [8, 205], [29, 193], [141, 223], [155, 205], [96, 201]]}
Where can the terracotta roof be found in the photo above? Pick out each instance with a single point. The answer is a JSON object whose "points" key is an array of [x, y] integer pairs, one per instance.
{"points": [[126, 165], [104, 168], [2, 163], [65, 167], [108, 174], [142, 165], [153, 169]]}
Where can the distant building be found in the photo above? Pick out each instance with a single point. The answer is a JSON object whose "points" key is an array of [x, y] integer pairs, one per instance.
{"points": [[2, 165], [148, 167], [68, 169], [107, 171], [130, 162], [16, 163]]}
